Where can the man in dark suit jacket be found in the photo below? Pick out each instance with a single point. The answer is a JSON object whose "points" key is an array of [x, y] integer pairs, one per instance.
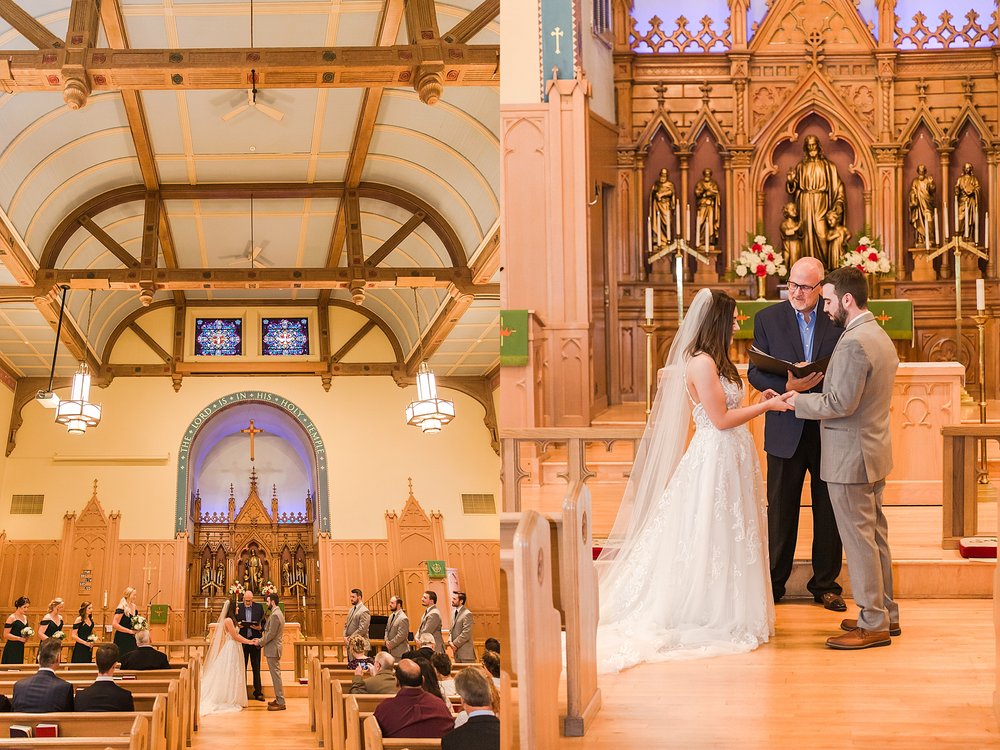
{"points": [[482, 730], [145, 656], [426, 650], [250, 616], [44, 692], [104, 694], [798, 331]]}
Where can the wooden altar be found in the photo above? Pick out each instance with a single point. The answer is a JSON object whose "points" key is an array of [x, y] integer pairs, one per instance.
{"points": [[248, 550]]}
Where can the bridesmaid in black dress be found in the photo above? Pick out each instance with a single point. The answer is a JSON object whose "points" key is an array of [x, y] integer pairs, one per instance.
{"points": [[83, 627], [13, 648], [52, 622], [122, 623]]}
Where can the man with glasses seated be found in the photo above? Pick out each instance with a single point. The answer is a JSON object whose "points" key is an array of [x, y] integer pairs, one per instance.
{"points": [[798, 331]]}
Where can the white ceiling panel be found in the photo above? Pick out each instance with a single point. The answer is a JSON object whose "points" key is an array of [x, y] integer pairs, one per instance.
{"points": [[211, 135], [145, 30], [164, 121], [251, 169], [340, 115]]}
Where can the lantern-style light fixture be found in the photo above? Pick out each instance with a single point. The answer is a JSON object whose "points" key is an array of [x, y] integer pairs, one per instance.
{"points": [[77, 412], [429, 412]]}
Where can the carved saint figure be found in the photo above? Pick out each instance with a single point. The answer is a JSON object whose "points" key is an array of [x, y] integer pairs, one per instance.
{"points": [[837, 238], [663, 208], [286, 573], [300, 574], [709, 201], [220, 575], [791, 233], [206, 576], [967, 203], [255, 571], [817, 190], [921, 204]]}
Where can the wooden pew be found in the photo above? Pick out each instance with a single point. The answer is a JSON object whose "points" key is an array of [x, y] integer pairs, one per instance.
{"points": [[375, 741], [536, 641], [97, 724], [136, 738]]}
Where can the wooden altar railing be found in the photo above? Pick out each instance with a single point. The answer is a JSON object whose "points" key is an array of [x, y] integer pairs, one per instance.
{"points": [[336, 651], [960, 475], [178, 652]]}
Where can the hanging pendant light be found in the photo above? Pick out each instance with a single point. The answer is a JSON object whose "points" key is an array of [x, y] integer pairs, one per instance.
{"points": [[428, 412], [77, 412]]}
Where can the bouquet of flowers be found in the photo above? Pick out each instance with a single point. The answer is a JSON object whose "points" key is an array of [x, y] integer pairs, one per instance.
{"points": [[27, 632], [140, 623], [868, 257], [760, 260], [268, 588], [236, 590], [59, 635], [92, 638]]}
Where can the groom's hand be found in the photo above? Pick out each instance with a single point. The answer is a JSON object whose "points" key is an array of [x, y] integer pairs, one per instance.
{"points": [[802, 384]]}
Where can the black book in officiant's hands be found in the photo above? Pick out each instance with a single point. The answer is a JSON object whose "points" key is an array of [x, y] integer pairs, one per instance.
{"points": [[775, 366]]}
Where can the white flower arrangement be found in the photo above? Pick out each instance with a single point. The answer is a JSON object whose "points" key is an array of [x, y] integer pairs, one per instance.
{"points": [[58, 635], [236, 589], [760, 260], [140, 623], [868, 257], [268, 588], [27, 632], [92, 638]]}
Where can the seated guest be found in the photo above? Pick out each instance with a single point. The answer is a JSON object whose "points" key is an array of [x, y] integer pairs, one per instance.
{"points": [[426, 649], [442, 666], [380, 679], [481, 730], [412, 712], [492, 644], [44, 692], [429, 677], [145, 656], [104, 694], [357, 646], [4, 704], [492, 663]]}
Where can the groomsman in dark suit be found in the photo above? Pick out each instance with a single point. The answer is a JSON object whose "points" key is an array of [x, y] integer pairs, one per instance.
{"points": [[798, 331], [44, 692], [251, 619], [104, 694]]}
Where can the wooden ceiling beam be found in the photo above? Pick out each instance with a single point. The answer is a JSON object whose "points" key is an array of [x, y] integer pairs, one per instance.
{"points": [[13, 253], [473, 23], [48, 303], [439, 329], [149, 341], [124, 256], [486, 261], [28, 26], [276, 67], [398, 236], [353, 341]]}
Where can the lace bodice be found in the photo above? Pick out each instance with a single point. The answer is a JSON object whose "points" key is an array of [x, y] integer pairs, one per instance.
{"points": [[734, 397]]}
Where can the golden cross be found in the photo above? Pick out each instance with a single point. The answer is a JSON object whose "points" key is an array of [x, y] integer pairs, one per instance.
{"points": [[742, 317], [251, 431], [883, 318]]}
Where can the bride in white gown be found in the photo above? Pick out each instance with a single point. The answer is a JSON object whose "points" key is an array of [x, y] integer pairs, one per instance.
{"points": [[224, 681], [685, 572]]}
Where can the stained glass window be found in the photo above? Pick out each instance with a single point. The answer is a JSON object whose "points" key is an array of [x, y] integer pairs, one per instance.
{"points": [[218, 337], [284, 336]]}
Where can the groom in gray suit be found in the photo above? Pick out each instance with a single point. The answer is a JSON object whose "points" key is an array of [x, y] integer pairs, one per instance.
{"points": [[857, 455], [270, 642]]}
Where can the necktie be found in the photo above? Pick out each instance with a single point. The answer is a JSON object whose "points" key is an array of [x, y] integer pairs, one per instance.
{"points": [[392, 619], [455, 616]]}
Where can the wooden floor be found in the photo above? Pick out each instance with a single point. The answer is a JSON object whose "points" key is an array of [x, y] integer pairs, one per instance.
{"points": [[932, 688], [288, 730]]}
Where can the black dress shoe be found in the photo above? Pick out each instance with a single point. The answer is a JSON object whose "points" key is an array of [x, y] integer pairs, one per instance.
{"points": [[832, 601], [259, 697]]}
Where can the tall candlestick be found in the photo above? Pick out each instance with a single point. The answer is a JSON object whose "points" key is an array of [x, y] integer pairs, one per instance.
{"points": [[927, 235], [667, 224], [658, 232], [649, 229], [677, 223], [937, 236], [649, 303], [975, 221], [944, 213], [986, 231], [303, 600], [966, 232], [206, 602], [687, 220], [980, 294], [956, 213], [105, 598]]}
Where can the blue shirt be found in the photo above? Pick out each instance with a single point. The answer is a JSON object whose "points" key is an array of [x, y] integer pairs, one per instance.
{"points": [[807, 331]]}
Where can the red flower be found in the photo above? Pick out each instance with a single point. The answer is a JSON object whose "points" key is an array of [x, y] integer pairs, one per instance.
{"points": [[862, 248], [770, 256], [761, 270], [756, 247], [873, 256], [860, 268]]}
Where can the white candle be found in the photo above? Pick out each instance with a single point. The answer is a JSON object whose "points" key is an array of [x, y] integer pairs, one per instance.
{"points": [[677, 222], [206, 602], [937, 236], [956, 213], [667, 224], [303, 600], [980, 295], [658, 231], [986, 231], [105, 598], [927, 235], [649, 303], [649, 230], [944, 212], [706, 238], [966, 221], [687, 220], [976, 220]]}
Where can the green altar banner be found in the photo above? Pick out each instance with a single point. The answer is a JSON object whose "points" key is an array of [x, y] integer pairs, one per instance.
{"points": [[158, 614], [436, 569], [894, 315], [513, 338]]}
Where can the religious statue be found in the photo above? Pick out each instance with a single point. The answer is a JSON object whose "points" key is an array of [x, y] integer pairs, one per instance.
{"points": [[255, 572], [662, 210], [300, 574], [286, 573], [220, 576], [837, 238], [708, 199], [791, 233], [967, 204], [921, 205], [817, 190], [207, 582]]}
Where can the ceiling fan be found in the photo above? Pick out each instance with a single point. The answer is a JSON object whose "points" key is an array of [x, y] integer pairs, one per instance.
{"points": [[251, 255], [252, 102]]}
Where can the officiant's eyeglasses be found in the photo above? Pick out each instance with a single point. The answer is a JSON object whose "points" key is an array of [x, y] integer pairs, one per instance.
{"points": [[793, 287]]}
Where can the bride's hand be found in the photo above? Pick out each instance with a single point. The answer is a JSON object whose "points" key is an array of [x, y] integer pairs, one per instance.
{"points": [[769, 394], [780, 402]]}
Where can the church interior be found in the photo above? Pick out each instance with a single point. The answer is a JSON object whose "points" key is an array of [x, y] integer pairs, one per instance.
{"points": [[685, 149], [249, 316]]}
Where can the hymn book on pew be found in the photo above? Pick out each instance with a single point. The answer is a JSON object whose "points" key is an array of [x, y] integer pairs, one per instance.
{"points": [[20, 730], [775, 366], [46, 730]]}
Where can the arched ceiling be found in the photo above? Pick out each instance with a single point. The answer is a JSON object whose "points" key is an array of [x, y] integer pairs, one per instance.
{"points": [[445, 156]]}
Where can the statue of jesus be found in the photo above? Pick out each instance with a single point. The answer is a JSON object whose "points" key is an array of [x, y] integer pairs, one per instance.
{"points": [[817, 190]]}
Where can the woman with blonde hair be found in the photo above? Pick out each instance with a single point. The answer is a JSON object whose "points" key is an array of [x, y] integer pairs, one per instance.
{"points": [[52, 622], [13, 649], [83, 628], [122, 622], [358, 647]]}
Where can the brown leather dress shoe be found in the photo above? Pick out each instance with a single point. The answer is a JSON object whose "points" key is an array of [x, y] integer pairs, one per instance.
{"points": [[894, 629], [277, 707], [832, 601], [860, 638]]}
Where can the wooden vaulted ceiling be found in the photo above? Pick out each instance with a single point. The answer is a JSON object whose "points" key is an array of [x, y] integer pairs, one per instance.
{"points": [[132, 171]]}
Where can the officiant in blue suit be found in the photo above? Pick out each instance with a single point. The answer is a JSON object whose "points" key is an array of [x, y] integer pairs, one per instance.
{"points": [[251, 619], [798, 330]]}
